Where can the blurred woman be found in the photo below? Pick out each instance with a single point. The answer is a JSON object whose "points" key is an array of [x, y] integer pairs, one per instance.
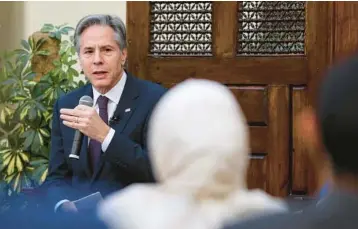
{"points": [[199, 148]]}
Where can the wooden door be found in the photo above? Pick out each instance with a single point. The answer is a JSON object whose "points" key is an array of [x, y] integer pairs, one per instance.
{"points": [[344, 29], [270, 54]]}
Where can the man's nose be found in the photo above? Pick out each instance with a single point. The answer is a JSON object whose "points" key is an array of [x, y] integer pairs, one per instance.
{"points": [[97, 57]]}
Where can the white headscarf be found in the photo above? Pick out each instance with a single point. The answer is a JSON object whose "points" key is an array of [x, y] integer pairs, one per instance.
{"points": [[199, 148]]}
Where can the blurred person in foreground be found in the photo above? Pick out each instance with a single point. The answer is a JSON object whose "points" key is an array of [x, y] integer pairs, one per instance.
{"points": [[199, 147], [335, 126], [113, 151]]}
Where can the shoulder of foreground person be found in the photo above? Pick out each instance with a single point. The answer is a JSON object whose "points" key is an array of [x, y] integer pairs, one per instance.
{"points": [[144, 206], [253, 202]]}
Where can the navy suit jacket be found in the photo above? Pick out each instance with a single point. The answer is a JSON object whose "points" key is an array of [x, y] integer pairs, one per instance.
{"points": [[125, 160]]}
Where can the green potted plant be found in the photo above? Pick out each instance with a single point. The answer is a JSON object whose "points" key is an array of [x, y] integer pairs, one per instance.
{"points": [[31, 79]]}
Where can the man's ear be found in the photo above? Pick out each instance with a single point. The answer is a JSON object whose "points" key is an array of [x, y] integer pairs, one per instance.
{"points": [[124, 57], [80, 63]]}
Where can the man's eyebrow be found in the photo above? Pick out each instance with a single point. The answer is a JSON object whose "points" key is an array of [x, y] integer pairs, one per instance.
{"points": [[101, 47], [106, 46]]}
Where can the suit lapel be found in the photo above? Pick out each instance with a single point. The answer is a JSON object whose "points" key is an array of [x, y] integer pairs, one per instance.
{"points": [[84, 159], [126, 107]]}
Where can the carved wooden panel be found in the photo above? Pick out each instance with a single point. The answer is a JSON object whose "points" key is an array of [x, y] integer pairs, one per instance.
{"points": [[259, 139], [180, 28], [253, 102], [256, 174], [299, 151], [271, 28]]}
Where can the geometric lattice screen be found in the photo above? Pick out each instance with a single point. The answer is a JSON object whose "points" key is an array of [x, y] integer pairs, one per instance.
{"points": [[180, 28], [271, 28]]}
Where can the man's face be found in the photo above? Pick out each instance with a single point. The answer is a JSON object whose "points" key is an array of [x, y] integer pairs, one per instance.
{"points": [[100, 57]]}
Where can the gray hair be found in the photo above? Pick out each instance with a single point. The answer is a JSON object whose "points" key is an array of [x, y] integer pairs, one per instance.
{"points": [[102, 19]]}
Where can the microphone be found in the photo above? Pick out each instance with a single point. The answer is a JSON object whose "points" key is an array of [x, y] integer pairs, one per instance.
{"points": [[114, 120], [77, 140]]}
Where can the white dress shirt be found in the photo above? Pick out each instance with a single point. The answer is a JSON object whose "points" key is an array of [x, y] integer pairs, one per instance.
{"points": [[113, 95]]}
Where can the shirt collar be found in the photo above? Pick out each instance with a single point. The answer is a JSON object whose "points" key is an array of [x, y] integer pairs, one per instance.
{"points": [[115, 93]]}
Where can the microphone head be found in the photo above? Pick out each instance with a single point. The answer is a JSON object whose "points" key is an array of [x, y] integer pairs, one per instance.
{"points": [[86, 100]]}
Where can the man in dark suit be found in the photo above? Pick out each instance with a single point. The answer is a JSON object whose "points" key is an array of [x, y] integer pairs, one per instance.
{"points": [[335, 123], [113, 153]]}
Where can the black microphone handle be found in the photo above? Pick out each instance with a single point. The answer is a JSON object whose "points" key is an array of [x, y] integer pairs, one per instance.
{"points": [[76, 145], [114, 120]]}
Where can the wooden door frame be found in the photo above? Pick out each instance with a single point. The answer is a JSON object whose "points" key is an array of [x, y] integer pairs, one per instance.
{"points": [[318, 55]]}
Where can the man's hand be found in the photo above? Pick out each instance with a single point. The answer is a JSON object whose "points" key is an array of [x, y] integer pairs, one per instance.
{"points": [[68, 207], [86, 120]]}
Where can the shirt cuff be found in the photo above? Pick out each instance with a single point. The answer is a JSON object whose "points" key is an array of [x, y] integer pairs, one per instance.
{"points": [[59, 204], [108, 139]]}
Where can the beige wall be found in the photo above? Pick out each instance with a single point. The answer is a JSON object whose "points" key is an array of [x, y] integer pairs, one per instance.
{"points": [[11, 24], [18, 20]]}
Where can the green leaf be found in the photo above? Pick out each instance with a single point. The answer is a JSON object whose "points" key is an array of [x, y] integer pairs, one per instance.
{"points": [[29, 139], [45, 79], [41, 139], [31, 42], [25, 181], [9, 82], [26, 134], [26, 45], [30, 76], [73, 72], [16, 183], [44, 175], [59, 92], [21, 52], [57, 63], [37, 142], [7, 159], [72, 62], [32, 113], [19, 164], [52, 34], [24, 58], [66, 29], [45, 133], [20, 98], [11, 166], [39, 162], [40, 106], [3, 117], [47, 28], [39, 43], [4, 151], [58, 35], [24, 157], [40, 173], [43, 53], [23, 112], [73, 50]]}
